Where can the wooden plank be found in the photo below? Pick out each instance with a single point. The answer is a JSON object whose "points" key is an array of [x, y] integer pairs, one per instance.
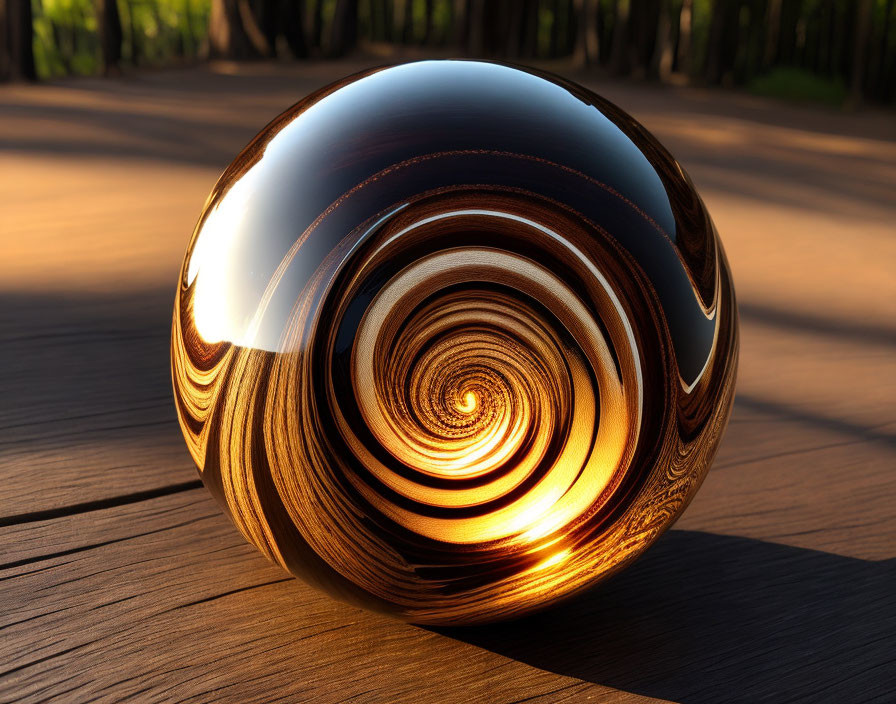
{"points": [[162, 598], [119, 577], [92, 417]]}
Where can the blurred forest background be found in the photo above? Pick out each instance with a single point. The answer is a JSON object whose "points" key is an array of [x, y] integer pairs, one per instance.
{"points": [[122, 579], [835, 51]]}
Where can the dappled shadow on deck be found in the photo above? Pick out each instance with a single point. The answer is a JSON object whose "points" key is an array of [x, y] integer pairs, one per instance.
{"points": [[797, 157], [713, 618]]}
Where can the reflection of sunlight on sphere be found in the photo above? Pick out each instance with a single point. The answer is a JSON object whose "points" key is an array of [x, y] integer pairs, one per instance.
{"points": [[454, 340], [469, 403]]}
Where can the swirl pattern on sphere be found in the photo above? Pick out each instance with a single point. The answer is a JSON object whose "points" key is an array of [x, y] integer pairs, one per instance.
{"points": [[454, 340]]}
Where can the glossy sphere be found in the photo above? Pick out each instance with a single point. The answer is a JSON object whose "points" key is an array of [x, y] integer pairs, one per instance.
{"points": [[454, 340]]}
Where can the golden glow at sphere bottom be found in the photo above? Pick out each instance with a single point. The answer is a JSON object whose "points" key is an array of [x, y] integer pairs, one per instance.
{"points": [[453, 340]]}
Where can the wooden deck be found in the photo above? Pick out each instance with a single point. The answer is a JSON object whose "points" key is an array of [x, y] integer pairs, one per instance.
{"points": [[120, 578]]}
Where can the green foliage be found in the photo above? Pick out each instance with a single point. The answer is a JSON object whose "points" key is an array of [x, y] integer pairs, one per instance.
{"points": [[156, 32], [442, 20], [159, 31], [65, 39], [799, 85], [702, 13], [741, 43]]}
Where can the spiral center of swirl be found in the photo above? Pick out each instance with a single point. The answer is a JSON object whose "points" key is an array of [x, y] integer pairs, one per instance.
{"points": [[471, 380], [468, 373]]}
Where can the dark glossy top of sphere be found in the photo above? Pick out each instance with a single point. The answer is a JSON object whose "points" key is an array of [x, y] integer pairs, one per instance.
{"points": [[444, 123]]}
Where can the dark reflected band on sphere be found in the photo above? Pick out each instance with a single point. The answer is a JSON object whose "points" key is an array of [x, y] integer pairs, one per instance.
{"points": [[454, 340]]}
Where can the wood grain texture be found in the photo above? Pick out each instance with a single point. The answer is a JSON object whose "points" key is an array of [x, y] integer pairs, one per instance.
{"points": [[120, 578]]}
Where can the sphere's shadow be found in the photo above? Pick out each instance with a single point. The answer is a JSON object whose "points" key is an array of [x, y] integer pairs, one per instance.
{"points": [[711, 618]]}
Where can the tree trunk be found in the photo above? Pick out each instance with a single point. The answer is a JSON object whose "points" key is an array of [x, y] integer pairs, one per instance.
{"points": [[134, 46], [254, 18], [495, 16], [568, 28], [619, 62], [515, 25], [111, 36], [685, 22], [267, 14], [884, 41], [317, 24], [789, 19], [4, 43], [375, 19], [661, 61], [428, 23], [579, 52], [718, 50], [292, 17], [407, 32], [592, 35], [344, 30], [460, 23], [860, 41], [587, 47], [834, 29], [823, 54], [555, 31], [772, 32], [227, 38], [476, 28], [529, 38], [20, 36], [641, 32], [400, 21]]}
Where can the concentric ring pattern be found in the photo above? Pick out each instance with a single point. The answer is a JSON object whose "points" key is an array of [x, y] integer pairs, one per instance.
{"points": [[453, 340]]}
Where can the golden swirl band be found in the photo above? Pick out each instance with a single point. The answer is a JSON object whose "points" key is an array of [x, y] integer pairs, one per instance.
{"points": [[461, 391]]}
